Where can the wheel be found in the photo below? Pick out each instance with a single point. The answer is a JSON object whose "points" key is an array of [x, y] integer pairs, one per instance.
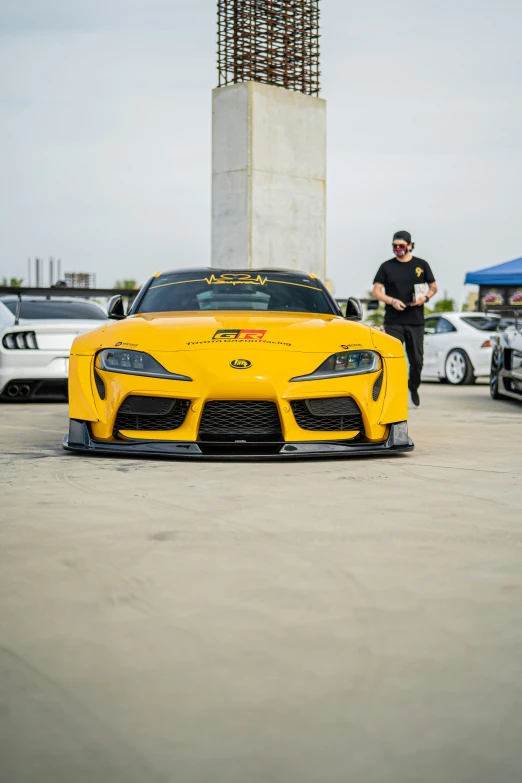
{"points": [[458, 368], [496, 364]]}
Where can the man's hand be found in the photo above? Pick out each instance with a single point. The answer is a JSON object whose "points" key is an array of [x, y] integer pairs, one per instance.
{"points": [[398, 305], [420, 301]]}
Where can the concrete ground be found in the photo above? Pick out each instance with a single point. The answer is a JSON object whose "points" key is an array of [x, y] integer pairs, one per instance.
{"points": [[307, 622]]}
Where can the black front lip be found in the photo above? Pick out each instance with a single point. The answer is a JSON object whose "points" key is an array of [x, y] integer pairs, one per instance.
{"points": [[79, 440]]}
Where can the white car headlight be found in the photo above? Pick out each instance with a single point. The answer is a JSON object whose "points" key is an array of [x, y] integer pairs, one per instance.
{"points": [[341, 364], [134, 363]]}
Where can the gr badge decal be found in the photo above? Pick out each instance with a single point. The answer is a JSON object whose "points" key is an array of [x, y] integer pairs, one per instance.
{"points": [[240, 334], [240, 364]]}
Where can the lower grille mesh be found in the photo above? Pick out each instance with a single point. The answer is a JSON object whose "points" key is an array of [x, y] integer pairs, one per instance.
{"points": [[235, 420], [328, 414], [151, 413]]}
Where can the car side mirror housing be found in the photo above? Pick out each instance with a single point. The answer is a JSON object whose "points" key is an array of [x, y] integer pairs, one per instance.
{"points": [[116, 310], [354, 310]]}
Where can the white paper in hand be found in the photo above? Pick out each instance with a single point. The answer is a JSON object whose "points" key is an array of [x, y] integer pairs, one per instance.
{"points": [[421, 289]]}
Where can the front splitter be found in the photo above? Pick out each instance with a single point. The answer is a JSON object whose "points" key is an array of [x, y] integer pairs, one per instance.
{"points": [[79, 440]]}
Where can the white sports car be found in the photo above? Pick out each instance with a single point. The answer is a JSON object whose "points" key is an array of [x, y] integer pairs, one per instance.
{"points": [[34, 353], [457, 346]]}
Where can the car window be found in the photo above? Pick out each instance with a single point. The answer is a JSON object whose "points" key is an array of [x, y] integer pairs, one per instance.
{"points": [[430, 325], [199, 290], [445, 326], [46, 310], [483, 324]]}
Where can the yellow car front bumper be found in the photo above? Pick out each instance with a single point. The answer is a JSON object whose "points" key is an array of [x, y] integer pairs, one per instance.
{"points": [[380, 399]]}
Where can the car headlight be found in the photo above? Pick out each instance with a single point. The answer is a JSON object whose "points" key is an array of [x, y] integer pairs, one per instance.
{"points": [[134, 363], [341, 364]]}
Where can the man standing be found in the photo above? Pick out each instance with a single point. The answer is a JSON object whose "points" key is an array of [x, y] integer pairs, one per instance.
{"points": [[405, 283]]}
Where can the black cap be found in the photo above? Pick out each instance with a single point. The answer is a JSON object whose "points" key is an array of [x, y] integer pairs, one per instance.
{"points": [[405, 235]]}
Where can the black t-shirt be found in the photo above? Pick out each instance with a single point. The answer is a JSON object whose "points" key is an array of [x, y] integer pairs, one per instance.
{"points": [[399, 279]]}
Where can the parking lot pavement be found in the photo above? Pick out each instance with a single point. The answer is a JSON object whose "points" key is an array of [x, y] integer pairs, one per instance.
{"points": [[298, 622]]}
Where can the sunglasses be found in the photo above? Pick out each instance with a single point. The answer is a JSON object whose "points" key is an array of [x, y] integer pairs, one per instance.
{"points": [[400, 247]]}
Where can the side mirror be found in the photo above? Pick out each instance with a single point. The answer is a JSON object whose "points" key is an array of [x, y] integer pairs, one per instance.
{"points": [[354, 309], [115, 310]]}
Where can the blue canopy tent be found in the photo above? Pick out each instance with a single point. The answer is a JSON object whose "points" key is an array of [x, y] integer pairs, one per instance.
{"points": [[499, 285], [509, 273]]}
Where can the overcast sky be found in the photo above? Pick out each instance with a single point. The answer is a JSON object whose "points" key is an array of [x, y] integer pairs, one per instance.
{"points": [[105, 112]]}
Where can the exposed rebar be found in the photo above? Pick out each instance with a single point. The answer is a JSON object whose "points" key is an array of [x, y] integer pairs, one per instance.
{"points": [[270, 41]]}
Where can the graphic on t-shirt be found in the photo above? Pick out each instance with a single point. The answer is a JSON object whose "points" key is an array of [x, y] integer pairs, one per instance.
{"points": [[400, 279]]}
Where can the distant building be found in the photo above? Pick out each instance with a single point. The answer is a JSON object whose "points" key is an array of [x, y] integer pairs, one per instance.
{"points": [[473, 301], [80, 280]]}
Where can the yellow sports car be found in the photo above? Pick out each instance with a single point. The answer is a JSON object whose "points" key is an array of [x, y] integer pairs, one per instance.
{"points": [[212, 362]]}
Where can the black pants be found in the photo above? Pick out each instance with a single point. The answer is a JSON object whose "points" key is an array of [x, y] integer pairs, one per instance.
{"points": [[413, 339]]}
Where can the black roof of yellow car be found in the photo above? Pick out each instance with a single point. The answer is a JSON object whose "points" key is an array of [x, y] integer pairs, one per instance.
{"points": [[224, 270]]}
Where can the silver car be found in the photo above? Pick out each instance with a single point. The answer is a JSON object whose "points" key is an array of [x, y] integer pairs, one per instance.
{"points": [[505, 379]]}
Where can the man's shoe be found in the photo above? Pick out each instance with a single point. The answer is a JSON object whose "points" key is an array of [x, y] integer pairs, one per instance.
{"points": [[415, 397]]}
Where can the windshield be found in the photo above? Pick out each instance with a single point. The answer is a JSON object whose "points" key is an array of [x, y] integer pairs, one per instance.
{"points": [[483, 324], [234, 291], [45, 310]]}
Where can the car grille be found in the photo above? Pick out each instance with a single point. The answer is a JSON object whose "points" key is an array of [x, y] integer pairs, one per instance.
{"points": [[99, 385], [151, 413], [237, 420], [377, 386], [328, 414]]}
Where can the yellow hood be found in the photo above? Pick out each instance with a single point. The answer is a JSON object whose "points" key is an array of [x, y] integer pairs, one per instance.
{"points": [[220, 331]]}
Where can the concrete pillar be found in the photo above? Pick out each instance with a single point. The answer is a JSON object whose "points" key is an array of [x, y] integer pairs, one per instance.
{"points": [[268, 179]]}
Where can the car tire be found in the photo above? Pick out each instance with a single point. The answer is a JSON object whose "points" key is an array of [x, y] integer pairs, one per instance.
{"points": [[458, 368], [496, 364]]}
